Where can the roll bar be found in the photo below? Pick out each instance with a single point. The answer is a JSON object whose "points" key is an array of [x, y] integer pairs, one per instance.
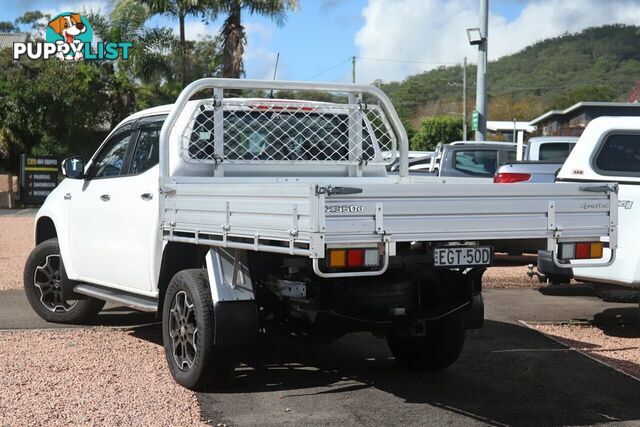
{"points": [[219, 85]]}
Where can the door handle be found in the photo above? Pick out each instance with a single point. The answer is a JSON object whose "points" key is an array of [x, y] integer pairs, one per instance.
{"points": [[105, 197], [67, 196], [146, 196]]}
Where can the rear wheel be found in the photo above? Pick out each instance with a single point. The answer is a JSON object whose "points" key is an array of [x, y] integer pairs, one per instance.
{"points": [[43, 275], [188, 332], [435, 351]]}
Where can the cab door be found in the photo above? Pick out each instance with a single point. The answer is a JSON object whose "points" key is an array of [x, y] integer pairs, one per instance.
{"points": [[135, 211], [94, 253]]}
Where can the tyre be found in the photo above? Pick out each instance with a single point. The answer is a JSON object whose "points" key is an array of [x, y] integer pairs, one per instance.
{"points": [[43, 272], [188, 332], [435, 351]]}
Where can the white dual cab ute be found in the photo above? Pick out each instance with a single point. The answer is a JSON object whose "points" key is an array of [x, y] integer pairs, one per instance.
{"points": [[236, 217], [607, 152]]}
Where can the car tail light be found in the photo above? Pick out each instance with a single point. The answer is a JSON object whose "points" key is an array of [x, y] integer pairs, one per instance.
{"points": [[338, 258], [509, 178], [581, 250], [353, 258]]}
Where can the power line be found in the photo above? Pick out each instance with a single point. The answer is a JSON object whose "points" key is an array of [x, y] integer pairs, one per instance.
{"points": [[406, 61], [329, 69]]}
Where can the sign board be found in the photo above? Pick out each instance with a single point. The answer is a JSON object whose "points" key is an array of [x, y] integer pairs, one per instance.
{"points": [[475, 119], [39, 177]]}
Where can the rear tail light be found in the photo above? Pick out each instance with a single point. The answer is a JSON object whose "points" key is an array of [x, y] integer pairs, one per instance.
{"points": [[353, 258], [581, 250], [510, 178]]}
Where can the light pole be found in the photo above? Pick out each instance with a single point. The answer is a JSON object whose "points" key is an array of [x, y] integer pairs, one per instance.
{"points": [[479, 37], [464, 99]]}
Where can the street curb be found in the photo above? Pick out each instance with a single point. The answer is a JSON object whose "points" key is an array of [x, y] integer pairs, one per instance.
{"points": [[595, 359]]}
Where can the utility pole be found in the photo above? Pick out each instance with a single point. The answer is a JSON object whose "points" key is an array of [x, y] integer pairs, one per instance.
{"points": [[353, 69], [464, 99], [377, 83], [481, 85]]}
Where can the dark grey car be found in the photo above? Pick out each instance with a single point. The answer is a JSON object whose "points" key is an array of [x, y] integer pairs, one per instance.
{"points": [[477, 159]]}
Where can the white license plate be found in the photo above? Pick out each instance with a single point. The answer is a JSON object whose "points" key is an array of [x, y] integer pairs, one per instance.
{"points": [[462, 256]]}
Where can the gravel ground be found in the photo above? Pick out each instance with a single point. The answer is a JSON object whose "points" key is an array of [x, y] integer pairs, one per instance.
{"points": [[90, 377], [508, 277], [16, 241], [618, 345]]}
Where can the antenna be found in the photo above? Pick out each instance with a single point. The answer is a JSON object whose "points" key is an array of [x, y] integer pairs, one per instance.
{"points": [[275, 70]]}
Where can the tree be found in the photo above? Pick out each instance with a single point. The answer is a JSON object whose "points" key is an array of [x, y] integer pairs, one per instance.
{"points": [[52, 107], [434, 130], [179, 9], [150, 57], [37, 22], [8, 27], [583, 94], [232, 34], [57, 108]]}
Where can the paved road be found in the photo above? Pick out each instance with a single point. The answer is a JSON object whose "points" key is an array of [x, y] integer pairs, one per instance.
{"points": [[507, 374], [18, 212], [16, 313]]}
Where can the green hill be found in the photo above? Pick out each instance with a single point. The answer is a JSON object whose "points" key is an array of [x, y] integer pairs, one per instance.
{"points": [[601, 64]]}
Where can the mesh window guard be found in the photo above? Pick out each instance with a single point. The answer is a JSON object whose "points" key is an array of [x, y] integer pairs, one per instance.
{"points": [[281, 132]]}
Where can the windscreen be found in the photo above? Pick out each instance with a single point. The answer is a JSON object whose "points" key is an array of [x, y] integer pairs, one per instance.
{"points": [[477, 162], [556, 151]]}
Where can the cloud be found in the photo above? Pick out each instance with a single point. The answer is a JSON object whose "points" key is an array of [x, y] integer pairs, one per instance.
{"points": [[83, 5], [196, 30], [259, 56], [433, 31]]}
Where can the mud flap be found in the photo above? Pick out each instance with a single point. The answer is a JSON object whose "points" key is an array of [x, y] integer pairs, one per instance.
{"points": [[235, 310], [474, 318], [236, 323]]}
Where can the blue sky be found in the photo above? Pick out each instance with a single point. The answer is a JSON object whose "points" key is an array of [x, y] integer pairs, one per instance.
{"points": [[391, 38]]}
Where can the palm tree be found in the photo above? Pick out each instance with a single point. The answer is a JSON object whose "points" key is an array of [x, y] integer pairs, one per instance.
{"points": [[148, 60], [179, 9], [232, 33]]}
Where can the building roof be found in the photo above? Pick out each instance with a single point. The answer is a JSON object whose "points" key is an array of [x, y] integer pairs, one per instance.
{"points": [[580, 105], [8, 39]]}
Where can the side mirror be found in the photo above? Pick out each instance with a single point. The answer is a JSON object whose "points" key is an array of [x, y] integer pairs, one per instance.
{"points": [[73, 168]]}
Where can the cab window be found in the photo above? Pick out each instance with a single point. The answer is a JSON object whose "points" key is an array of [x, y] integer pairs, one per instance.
{"points": [[110, 160], [619, 154], [145, 155]]}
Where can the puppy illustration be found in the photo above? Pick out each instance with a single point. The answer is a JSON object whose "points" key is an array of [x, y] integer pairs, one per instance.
{"points": [[68, 27]]}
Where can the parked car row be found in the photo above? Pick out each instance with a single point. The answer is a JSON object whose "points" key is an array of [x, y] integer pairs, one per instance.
{"points": [[608, 152]]}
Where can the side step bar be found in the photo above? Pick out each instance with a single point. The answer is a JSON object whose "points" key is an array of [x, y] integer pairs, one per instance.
{"points": [[138, 302]]}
